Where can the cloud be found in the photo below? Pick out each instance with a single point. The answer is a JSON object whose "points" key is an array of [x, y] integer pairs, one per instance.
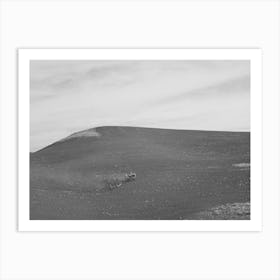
{"points": [[68, 96]]}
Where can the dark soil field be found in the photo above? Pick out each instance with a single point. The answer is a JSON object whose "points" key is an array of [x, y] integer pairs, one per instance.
{"points": [[180, 174]]}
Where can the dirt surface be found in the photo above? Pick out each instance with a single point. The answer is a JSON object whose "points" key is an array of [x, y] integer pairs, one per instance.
{"points": [[181, 174], [229, 211]]}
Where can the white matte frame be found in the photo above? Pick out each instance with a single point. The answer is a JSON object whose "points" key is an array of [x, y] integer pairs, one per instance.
{"points": [[140, 255], [252, 55]]}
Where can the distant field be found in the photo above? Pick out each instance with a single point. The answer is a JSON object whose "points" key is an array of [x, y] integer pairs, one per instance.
{"points": [[180, 174]]}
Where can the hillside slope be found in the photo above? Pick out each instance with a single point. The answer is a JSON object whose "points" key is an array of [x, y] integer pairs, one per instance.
{"points": [[179, 173]]}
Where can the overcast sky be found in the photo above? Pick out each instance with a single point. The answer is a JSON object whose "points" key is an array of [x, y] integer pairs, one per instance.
{"points": [[69, 96]]}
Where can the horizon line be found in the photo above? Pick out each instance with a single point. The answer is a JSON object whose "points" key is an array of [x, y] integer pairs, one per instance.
{"points": [[158, 128]]}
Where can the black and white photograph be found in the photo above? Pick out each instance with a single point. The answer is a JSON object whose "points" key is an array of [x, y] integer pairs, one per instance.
{"points": [[140, 140]]}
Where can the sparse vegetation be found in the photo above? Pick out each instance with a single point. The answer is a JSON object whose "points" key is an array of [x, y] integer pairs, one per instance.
{"points": [[115, 181]]}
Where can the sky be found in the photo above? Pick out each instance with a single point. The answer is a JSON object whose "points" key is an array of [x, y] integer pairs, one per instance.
{"points": [[67, 96]]}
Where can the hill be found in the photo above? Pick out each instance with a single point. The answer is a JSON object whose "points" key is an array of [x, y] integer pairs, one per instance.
{"points": [[179, 173]]}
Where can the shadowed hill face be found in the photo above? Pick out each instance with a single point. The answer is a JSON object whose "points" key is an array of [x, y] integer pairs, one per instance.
{"points": [[173, 167]]}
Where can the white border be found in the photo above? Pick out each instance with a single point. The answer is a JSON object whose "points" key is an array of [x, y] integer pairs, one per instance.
{"points": [[24, 57]]}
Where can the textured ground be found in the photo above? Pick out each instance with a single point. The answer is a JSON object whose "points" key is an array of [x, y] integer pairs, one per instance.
{"points": [[229, 211], [180, 175]]}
